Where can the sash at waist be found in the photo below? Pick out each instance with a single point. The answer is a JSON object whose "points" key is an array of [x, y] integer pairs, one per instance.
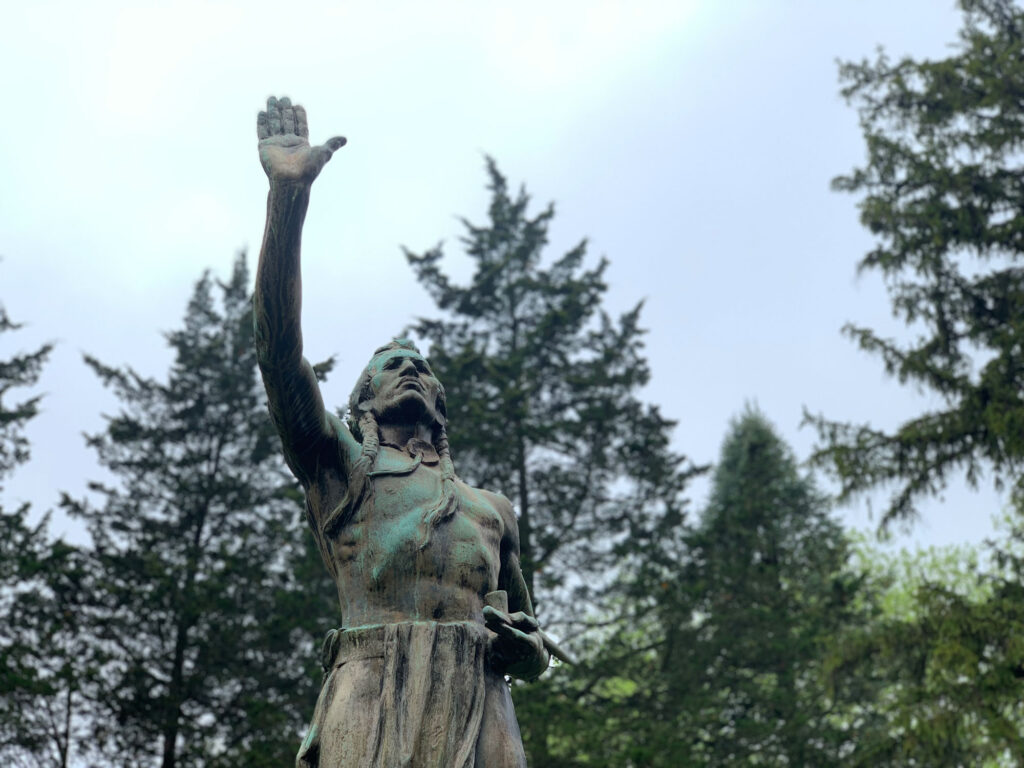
{"points": [[370, 642]]}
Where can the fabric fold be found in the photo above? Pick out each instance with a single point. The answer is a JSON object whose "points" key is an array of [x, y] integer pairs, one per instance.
{"points": [[407, 695]]}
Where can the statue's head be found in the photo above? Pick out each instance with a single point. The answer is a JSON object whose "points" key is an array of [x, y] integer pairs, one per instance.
{"points": [[398, 387]]}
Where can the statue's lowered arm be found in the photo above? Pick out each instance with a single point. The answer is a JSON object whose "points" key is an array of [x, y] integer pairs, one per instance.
{"points": [[521, 648], [294, 395]]}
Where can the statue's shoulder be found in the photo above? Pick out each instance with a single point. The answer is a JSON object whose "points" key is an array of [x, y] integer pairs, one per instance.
{"points": [[497, 500], [349, 446]]}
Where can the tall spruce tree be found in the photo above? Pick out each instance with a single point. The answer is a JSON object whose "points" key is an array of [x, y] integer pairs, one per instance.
{"points": [[542, 388], [942, 190], [207, 631], [747, 619]]}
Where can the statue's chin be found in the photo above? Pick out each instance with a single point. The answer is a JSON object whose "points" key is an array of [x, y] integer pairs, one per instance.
{"points": [[406, 407]]}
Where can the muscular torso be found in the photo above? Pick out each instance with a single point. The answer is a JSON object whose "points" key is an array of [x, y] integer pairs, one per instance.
{"points": [[391, 567]]}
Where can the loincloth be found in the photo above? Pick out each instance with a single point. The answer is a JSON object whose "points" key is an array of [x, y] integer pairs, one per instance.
{"points": [[412, 695]]}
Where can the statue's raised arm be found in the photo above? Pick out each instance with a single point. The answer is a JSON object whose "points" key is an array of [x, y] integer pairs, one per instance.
{"points": [[309, 434], [435, 611]]}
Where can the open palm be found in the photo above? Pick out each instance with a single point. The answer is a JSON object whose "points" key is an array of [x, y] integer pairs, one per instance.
{"points": [[284, 143]]}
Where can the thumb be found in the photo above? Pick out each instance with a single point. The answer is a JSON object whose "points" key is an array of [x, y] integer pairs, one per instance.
{"points": [[326, 150]]}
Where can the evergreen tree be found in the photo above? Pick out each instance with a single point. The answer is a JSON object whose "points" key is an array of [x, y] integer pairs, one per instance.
{"points": [[21, 370], [747, 620], [542, 396], [207, 632], [542, 389], [615, 707], [942, 187], [48, 672], [942, 191], [39, 672]]}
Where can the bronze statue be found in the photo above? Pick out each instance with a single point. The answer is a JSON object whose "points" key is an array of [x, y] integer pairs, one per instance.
{"points": [[435, 611]]}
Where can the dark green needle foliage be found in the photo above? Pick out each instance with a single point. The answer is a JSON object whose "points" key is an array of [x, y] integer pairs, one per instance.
{"points": [[21, 550], [42, 671], [20, 370], [943, 190], [48, 672], [748, 618], [543, 405], [542, 386], [206, 629]]}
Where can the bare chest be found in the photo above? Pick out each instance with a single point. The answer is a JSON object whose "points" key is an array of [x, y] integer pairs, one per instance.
{"points": [[395, 556]]}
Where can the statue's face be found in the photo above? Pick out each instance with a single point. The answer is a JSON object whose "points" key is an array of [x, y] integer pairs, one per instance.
{"points": [[404, 388]]}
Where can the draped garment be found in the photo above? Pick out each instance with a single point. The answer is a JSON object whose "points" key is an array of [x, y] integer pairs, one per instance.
{"points": [[412, 695]]}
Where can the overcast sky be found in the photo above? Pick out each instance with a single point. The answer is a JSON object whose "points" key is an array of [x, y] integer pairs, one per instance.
{"points": [[692, 142]]}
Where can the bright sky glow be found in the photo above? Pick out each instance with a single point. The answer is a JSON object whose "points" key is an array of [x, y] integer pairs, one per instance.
{"points": [[691, 142]]}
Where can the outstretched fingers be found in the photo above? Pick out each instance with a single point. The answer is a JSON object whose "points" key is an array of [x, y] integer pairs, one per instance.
{"points": [[287, 116], [273, 116], [284, 125], [301, 126], [282, 118]]}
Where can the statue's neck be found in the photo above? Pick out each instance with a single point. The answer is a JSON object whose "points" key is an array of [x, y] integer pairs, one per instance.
{"points": [[400, 434]]}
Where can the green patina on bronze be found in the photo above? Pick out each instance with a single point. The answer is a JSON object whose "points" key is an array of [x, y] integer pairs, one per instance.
{"points": [[434, 608]]}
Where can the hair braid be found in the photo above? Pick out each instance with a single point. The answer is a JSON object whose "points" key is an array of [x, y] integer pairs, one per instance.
{"points": [[447, 505], [357, 483]]}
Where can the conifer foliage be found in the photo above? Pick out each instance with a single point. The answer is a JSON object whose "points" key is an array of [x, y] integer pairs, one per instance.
{"points": [[203, 631], [40, 676], [543, 404], [21, 370], [542, 388], [942, 190], [748, 618]]}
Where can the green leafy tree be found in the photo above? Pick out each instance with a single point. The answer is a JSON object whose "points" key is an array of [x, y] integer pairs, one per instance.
{"points": [[944, 652], [543, 400], [206, 630], [942, 191], [614, 708], [747, 620]]}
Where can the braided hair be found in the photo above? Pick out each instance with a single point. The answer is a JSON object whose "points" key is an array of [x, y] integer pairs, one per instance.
{"points": [[366, 430]]}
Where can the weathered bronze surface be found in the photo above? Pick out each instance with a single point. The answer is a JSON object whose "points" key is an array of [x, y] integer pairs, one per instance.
{"points": [[434, 608]]}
